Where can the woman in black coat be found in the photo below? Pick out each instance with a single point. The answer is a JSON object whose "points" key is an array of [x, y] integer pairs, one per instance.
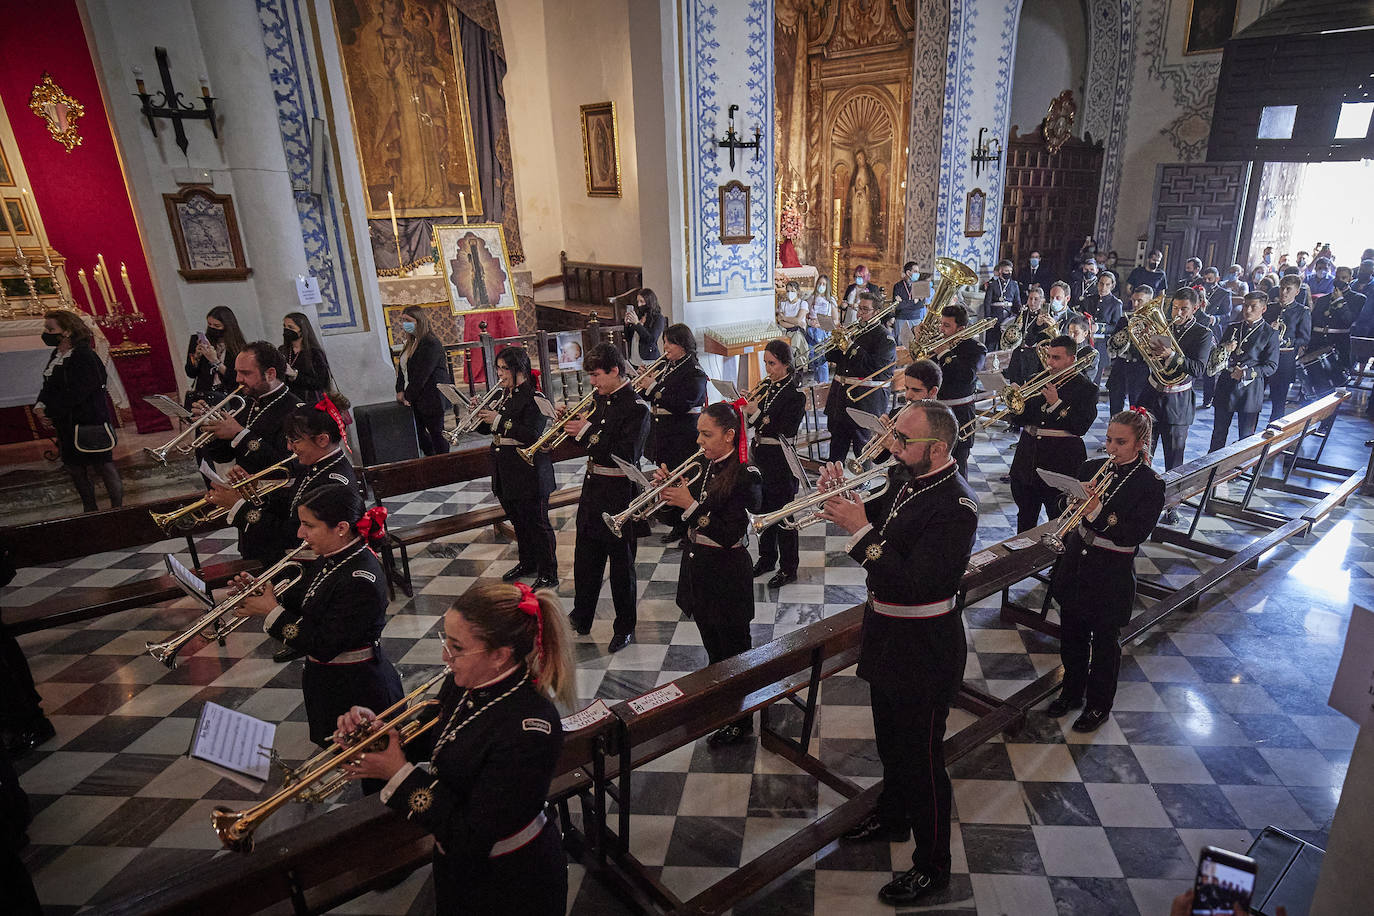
{"points": [[774, 417], [420, 369], [73, 395], [676, 395], [644, 326], [715, 587], [307, 368], [1094, 580], [521, 488], [210, 357], [491, 758]]}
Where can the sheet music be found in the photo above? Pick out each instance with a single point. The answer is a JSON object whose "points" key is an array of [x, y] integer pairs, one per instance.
{"points": [[233, 740], [1064, 483], [546, 407], [190, 583], [167, 407], [212, 474], [632, 472], [992, 381], [867, 420], [789, 451], [454, 396], [728, 390]]}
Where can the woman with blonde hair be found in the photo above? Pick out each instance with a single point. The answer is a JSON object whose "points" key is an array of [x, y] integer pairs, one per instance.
{"points": [[420, 369]]}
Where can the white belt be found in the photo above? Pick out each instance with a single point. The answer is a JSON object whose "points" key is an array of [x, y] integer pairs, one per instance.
{"points": [[520, 838], [665, 412], [1173, 389], [505, 440], [934, 609], [1331, 330], [351, 657], [865, 382], [602, 470], [767, 440], [959, 402], [1093, 539], [1039, 433], [703, 541]]}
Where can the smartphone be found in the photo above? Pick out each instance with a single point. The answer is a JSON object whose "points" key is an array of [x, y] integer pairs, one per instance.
{"points": [[203, 340], [1224, 880]]}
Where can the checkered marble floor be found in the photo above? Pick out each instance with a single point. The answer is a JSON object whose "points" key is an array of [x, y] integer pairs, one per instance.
{"points": [[1220, 727]]}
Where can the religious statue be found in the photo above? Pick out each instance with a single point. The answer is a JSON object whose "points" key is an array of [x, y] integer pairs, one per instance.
{"points": [[863, 205], [479, 274]]}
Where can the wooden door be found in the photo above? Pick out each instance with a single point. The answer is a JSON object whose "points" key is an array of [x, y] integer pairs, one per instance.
{"points": [[1050, 201], [1197, 212]]}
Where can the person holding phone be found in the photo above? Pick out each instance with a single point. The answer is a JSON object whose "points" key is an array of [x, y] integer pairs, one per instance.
{"points": [[644, 326], [210, 357]]}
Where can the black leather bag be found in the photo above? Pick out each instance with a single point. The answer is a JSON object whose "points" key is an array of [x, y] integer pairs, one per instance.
{"points": [[92, 438]]}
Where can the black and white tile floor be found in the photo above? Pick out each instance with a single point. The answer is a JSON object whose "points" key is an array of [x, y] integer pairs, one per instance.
{"points": [[1220, 727]]}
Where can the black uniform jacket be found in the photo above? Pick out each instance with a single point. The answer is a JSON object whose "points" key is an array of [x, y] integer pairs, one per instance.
{"points": [[1258, 355], [1100, 578], [779, 415], [1106, 310], [262, 442], [520, 420], [1176, 409], [959, 370], [868, 354], [312, 374], [492, 756], [1075, 413], [999, 290], [715, 583], [646, 337], [617, 425], [908, 306], [1025, 362], [916, 552], [1338, 315], [1297, 320], [268, 531], [426, 367], [676, 398]]}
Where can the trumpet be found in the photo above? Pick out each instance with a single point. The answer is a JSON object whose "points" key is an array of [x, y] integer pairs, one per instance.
{"points": [[806, 511], [1077, 509], [855, 395], [252, 488], [953, 274], [323, 775], [492, 400], [1285, 343], [198, 438], [945, 344], [875, 445], [1014, 397], [651, 500], [641, 381], [555, 435], [209, 624]]}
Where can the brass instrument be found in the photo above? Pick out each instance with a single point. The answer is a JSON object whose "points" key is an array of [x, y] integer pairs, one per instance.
{"points": [[1014, 397], [1077, 509], [198, 438], [1013, 333], [945, 344], [759, 390], [1148, 324], [953, 274], [555, 435], [868, 389], [1285, 342], [210, 623], [1219, 360], [252, 488], [876, 445], [1119, 344], [640, 381], [651, 500], [844, 337], [807, 510], [492, 400], [323, 775]]}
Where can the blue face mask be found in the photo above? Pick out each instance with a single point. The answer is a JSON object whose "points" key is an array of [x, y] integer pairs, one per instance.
{"points": [[408, 327], [1034, 263]]}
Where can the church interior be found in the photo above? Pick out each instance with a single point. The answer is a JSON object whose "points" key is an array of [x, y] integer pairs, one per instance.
{"points": [[372, 185]]}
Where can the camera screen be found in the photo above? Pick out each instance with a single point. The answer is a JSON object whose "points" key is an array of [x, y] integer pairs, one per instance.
{"points": [[1220, 887]]}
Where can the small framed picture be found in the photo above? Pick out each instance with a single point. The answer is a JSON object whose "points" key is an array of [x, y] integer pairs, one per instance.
{"points": [[206, 233], [570, 350], [601, 149], [1210, 24], [975, 213], [734, 214], [474, 261]]}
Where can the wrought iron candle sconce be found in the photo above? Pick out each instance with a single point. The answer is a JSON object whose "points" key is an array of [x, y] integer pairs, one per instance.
{"points": [[170, 104], [732, 140]]}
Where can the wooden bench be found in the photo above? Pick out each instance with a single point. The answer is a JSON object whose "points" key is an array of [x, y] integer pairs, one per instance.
{"points": [[588, 286]]}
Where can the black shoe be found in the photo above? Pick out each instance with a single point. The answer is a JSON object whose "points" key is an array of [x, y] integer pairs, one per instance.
{"points": [[581, 628], [19, 743], [1170, 517], [873, 828], [733, 733], [545, 582], [913, 885], [781, 578], [1206, 405], [761, 567], [516, 571], [1091, 720], [620, 641], [1062, 705], [287, 654], [672, 537]]}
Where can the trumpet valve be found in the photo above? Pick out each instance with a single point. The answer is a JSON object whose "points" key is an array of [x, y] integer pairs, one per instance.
{"points": [[854, 465]]}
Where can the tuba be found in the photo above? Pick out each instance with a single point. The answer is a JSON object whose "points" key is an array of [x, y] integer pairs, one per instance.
{"points": [[1148, 325], [953, 274]]}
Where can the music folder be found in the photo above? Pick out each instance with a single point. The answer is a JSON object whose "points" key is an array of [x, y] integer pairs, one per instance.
{"points": [[1064, 483], [632, 472], [190, 583], [234, 744], [167, 407], [868, 421], [453, 395], [728, 390]]}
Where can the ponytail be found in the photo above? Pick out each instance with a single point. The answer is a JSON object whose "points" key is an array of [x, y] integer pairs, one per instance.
{"points": [[334, 503], [534, 626], [1142, 424]]}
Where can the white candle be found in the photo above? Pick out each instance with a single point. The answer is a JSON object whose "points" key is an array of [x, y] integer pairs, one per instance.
{"points": [[463, 200], [128, 287], [391, 205], [90, 300], [103, 283]]}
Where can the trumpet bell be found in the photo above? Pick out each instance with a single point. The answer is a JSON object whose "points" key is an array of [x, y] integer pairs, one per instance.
{"points": [[1053, 542], [226, 826]]}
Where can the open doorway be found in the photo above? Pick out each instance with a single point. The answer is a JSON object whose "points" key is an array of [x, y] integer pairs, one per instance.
{"points": [[1303, 203]]}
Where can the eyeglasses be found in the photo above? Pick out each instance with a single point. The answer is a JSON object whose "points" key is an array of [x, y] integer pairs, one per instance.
{"points": [[906, 441], [448, 654]]}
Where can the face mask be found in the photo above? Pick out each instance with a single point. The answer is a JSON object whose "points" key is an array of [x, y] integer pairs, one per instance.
{"points": [[858, 279], [1034, 263], [791, 297], [1154, 264], [50, 339], [1323, 274], [214, 335], [1056, 305], [1302, 262], [1342, 285], [912, 276], [289, 335], [408, 327]]}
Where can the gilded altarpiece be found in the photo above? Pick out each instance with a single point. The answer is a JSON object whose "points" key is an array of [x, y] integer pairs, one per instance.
{"points": [[843, 73]]}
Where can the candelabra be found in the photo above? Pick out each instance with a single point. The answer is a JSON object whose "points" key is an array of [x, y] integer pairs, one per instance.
{"points": [[118, 318]]}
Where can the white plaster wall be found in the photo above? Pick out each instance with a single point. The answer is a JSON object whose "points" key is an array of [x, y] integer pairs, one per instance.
{"points": [[1051, 56]]}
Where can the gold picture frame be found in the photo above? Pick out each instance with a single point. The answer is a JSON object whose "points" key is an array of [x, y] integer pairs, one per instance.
{"points": [[975, 213], [1207, 21], [735, 203], [601, 149], [6, 174], [58, 110]]}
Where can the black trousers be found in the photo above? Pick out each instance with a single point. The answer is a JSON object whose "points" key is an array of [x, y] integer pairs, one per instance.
{"points": [[1125, 383], [20, 709], [1279, 383], [776, 540], [1174, 437], [429, 429], [1245, 422], [1030, 497], [589, 567], [845, 434], [533, 534], [962, 449], [1209, 389], [1091, 656], [910, 734]]}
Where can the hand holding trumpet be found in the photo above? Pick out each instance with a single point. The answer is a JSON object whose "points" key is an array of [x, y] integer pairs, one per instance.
{"points": [[255, 605], [845, 509], [677, 495], [381, 762]]}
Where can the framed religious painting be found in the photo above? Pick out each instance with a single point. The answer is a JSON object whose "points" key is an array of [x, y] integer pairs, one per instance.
{"points": [[475, 265], [734, 214], [975, 213], [206, 234], [1210, 24], [601, 150]]}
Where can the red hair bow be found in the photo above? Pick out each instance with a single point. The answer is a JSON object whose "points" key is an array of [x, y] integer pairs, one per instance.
{"points": [[741, 439], [372, 525], [1140, 410], [529, 605], [536, 373], [337, 416]]}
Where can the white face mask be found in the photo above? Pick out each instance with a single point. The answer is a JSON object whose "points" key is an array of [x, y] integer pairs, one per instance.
{"points": [[858, 278], [1056, 305], [792, 296]]}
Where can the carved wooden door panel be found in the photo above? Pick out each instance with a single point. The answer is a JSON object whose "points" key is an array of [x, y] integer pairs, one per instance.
{"points": [[1197, 212], [1050, 199]]}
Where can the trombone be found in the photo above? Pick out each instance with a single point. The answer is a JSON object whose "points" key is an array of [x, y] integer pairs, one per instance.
{"points": [[800, 513], [640, 382], [317, 779], [492, 400], [944, 344], [555, 435], [868, 388], [1014, 397], [1077, 509], [651, 500], [877, 444], [209, 624], [198, 438], [252, 488]]}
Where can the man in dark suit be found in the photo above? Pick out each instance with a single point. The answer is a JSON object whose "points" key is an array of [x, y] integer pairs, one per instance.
{"points": [[1001, 298], [1106, 310], [1253, 356], [909, 308], [1035, 273], [866, 368], [1171, 405], [1084, 284], [253, 438], [1293, 341], [1150, 274]]}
